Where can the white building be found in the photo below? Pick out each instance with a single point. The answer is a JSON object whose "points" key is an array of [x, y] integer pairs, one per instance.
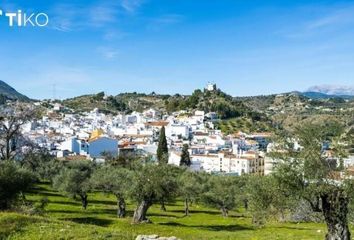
{"points": [[177, 130], [100, 145], [93, 147]]}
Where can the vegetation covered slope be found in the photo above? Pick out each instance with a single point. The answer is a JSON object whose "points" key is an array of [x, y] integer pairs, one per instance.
{"points": [[124, 102], [209, 101], [9, 93], [291, 109], [258, 113]]}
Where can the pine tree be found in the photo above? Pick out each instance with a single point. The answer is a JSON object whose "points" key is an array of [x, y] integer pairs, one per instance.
{"points": [[185, 158], [162, 149]]}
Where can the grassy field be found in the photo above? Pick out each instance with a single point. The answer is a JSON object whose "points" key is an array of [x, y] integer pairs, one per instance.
{"points": [[64, 219]]}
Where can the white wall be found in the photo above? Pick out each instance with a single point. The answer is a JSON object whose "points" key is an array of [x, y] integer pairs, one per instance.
{"points": [[103, 144]]}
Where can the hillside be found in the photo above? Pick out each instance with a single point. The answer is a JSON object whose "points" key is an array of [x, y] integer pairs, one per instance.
{"points": [[209, 101], [257, 113], [9, 93], [234, 114], [124, 102], [292, 109]]}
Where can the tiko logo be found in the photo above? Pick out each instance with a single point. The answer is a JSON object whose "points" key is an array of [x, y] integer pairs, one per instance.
{"points": [[20, 19]]}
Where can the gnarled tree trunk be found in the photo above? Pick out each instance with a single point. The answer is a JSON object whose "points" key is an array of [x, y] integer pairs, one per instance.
{"points": [[245, 203], [224, 211], [121, 207], [140, 212], [186, 207], [335, 210], [163, 207], [84, 201]]}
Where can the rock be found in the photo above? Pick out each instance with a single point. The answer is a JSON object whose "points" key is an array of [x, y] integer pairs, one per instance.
{"points": [[155, 237]]}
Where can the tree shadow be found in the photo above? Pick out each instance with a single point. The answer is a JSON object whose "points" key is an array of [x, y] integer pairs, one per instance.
{"points": [[65, 203], [91, 221], [295, 228], [162, 215], [108, 211], [197, 211], [216, 228], [38, 188], [238, 216], [80, 211], [45, 193], [228, 228], [105, 202]]}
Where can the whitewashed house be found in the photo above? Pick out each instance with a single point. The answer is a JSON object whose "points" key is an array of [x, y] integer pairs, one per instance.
{"points": [[100, 145], [177, 130]]}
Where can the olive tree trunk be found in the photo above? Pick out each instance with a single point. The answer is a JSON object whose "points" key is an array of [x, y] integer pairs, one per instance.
{"points": [[163, 207], [224, 211], [335, 210], [121, 207], [84, 202], [140, 212], [186, 207]]}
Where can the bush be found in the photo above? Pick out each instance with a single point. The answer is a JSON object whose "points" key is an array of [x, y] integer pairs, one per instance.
{"points": [[14, 181]]}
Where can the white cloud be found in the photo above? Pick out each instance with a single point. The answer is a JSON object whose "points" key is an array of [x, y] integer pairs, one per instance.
{"points": [[102, 14], [107, 52], [114, 34], [164, 20], [131, 6], [335, 17], [70, 17]]}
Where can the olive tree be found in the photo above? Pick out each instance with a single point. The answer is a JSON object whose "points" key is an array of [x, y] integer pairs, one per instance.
{"points": [[12, 118], [220, 193], [266, 199], [73, 180], [312, 175], [113, 180], [190, 188], [152, 183], [14, 180]]}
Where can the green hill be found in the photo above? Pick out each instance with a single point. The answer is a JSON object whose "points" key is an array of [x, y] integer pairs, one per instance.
{"points": [[209, 101], [9, 93]]}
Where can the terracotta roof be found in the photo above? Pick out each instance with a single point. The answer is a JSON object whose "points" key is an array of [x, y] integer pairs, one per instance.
{"points": [[200, 134], [205, 155], [157, 124]]}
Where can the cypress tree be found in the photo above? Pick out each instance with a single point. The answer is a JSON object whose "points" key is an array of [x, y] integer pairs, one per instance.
{"points": [[162, 149], [185, 158]]}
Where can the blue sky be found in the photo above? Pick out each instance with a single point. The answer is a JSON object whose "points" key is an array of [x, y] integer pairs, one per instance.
{"points": [[175, 46]]}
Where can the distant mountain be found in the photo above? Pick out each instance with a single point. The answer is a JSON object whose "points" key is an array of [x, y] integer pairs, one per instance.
{"points": [[9, 93], [330, 91], [319, 95]]}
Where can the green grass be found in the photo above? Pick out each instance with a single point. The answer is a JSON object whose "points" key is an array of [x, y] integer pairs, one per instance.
{"points": [[64, 219]]}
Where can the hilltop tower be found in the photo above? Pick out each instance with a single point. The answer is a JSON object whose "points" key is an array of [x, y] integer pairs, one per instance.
{"points": [[210, 87]]}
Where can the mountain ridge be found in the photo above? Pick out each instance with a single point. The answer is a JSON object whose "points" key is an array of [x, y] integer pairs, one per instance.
{"points": [[9, 93]]}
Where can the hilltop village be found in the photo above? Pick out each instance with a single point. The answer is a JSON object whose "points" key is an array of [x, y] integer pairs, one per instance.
{"points": [[95, 135]]}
